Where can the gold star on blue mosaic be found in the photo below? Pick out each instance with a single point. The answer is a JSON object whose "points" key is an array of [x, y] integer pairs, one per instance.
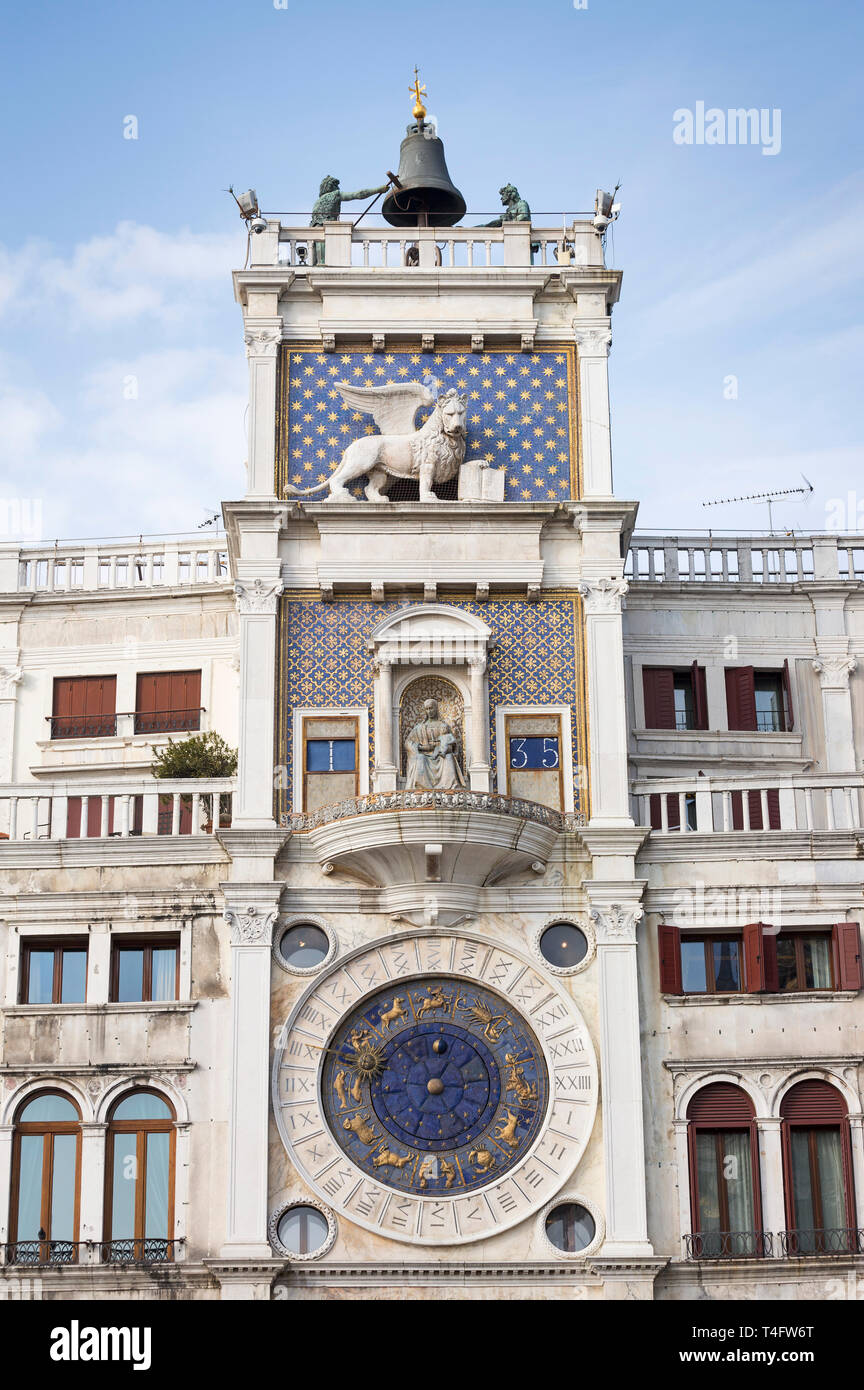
{"points": [[521, 412]]}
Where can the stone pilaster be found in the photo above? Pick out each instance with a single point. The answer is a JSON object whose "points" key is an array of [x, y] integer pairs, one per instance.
{"points": [[262, 349], [257, 602], [593, 341], [606, 701], [834, 670]]}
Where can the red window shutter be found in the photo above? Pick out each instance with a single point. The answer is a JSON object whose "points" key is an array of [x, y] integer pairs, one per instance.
{"points": [[754, 801], [700, 695], [740, 698], [145, 698], [754, 958], [659, 689], [62, 697], [100, 695], [720, 1103], [788, 714], [656, 815], [669, 940], [847, 955], [773, 797], [813, 1102], [73, 818], [769, 959], [673, 811]]}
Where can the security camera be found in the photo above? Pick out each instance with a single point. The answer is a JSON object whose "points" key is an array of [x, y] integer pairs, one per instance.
{"points": [[258, 225]]}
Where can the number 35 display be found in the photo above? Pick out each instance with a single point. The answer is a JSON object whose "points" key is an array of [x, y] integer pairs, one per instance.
{"points": [[534, 753]]}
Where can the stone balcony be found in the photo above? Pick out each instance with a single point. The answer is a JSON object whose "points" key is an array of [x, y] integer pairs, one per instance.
{"points": [[412, 840]]}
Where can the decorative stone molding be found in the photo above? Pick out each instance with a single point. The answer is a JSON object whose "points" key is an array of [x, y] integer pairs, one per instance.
{"points": [[10, 677], [262, 342], [251, 927], [477, 662], [526, 343], [476, 342], [430, 591], [587, 929], [765, 1080], [273, 1229], [377, 342], [259, 596], [427, 342], [602, 595], [423, 800], [616, 925], [834, 671], [482, 591], [599, 1226], [296, 920], [328, 342], [592, 342]]}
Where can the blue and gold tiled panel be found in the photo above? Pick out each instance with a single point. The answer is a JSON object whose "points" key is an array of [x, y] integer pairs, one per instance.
{"points": [[522, 412], [535, 657]]}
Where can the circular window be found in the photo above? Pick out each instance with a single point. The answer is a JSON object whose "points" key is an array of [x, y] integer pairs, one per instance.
{"points": [[563, 945], [570, 1227], [303, 1231], [304, 947]]}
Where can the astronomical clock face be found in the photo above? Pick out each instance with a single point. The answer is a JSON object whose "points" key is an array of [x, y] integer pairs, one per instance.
{"points": [[435, 1088]]}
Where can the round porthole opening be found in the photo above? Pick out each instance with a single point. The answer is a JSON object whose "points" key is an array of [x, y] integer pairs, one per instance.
{"points": [[304, 946], [563, 945], [303, 1230], [570, 1227]]}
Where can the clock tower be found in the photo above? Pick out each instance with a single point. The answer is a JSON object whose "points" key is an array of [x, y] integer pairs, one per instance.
{"points": [[433, 905]]}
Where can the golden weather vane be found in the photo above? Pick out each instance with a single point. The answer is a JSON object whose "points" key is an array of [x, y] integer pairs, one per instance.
{"points": [[418, 93]]}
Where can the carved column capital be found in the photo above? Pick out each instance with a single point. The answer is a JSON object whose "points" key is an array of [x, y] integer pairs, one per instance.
{"points": [[477, 663], [592, 341], [616, 925], [602, 595], [10, 677], [251, 926], [257, 595], [262, 342], [834, 671]]}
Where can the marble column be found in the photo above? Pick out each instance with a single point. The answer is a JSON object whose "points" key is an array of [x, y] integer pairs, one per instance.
{"points": [[10, 679], [478, 767], [257, 602], [834, 672], [621, 1076], [91, 1223], [262, 349], [385, 766], [593, 342], [250, 911]]}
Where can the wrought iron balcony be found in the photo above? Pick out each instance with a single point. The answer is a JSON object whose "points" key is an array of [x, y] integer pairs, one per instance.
{"points": [[839, 1241], [729, 1245], [150, 1250], [43, 1252]]}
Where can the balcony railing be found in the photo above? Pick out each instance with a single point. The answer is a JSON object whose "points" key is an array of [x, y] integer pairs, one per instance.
{"points": [[421, 800], [712, 559], [728, 1245], [841, 1241], [708, 804], [144, 565], [124, 723], [44, 1253], [118, 809]]}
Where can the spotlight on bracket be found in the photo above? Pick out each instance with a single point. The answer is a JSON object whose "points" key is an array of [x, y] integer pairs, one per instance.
{"points": [[606, 209], [248, 204]]}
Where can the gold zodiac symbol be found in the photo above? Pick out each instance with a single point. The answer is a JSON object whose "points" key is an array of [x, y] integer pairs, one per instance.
{"points": [[525, 1091], [357, 1124], [478, 1012], [449, 1172], [355, 1089], [395, 1011], [482, 1159], [385, 1158], [437, 1000], [339, 1088], [506, 1131], [426, 1171]]}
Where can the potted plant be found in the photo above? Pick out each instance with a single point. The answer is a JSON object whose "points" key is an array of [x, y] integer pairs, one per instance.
{"points": [[200, 755]]}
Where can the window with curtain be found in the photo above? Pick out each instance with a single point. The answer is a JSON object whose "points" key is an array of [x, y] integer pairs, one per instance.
{"points": [[140, 1179], [45, 1181], [724, 1171], [53, 972], [818, 1169], [145, 970]]}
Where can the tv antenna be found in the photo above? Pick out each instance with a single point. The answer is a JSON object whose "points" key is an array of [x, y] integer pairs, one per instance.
{"points": [[767, 497]]}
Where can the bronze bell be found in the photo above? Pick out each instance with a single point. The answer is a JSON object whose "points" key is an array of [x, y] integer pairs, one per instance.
{"points": [[426, 197]]}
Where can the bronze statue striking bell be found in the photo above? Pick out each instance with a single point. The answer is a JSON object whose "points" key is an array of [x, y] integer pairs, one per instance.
{"points": [[427, 197]]}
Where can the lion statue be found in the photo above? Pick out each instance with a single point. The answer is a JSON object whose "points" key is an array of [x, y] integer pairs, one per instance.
{"points": [[432, 454]]}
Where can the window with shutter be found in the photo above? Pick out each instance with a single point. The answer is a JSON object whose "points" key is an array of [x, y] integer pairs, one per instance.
{"points": [[740, 698], [84, 707], [168, 702], [847, 955], [817, 1171], [658, 685], [724, 1174], [669, 941]]}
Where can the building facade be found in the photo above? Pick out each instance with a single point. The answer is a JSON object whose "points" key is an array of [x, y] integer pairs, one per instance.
{"points": [[521, 957]]}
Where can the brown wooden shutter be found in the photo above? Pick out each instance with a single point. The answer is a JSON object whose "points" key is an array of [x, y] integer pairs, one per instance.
{"points": [[145, 696], [669, 941], [769, 959], [73, 817], [813, 1102], [754, 958], [847, 955], [659, 689], [700, 695], [62, 697], [721, 1103], [740, 698], [788, 714]]}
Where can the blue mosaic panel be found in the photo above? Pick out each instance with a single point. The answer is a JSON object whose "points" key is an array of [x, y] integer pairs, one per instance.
{"points": [[521, 412], [534, 658]]}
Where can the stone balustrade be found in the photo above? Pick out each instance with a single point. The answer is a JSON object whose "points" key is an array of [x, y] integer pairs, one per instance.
{"points": [[772, 559], [710, 804], [115, 808], [422, 800], [83, 567]]}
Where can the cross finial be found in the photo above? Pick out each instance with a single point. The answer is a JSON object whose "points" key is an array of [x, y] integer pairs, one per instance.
{"points": [[418, 93]]}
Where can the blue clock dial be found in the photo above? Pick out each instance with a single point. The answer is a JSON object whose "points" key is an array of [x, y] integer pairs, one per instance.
{"points": [[441, 1087]]}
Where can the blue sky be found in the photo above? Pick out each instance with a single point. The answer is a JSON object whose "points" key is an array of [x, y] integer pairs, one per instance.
{"points": [[116, 254]]}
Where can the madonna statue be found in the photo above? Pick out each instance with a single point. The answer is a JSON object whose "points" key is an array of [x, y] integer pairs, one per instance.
{"points": [[431, 750]]}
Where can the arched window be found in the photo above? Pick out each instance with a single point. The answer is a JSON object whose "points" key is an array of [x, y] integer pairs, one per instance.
{"points": [[724, 1175], [817, 1161], [139, 1207], [46, 1180]]}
